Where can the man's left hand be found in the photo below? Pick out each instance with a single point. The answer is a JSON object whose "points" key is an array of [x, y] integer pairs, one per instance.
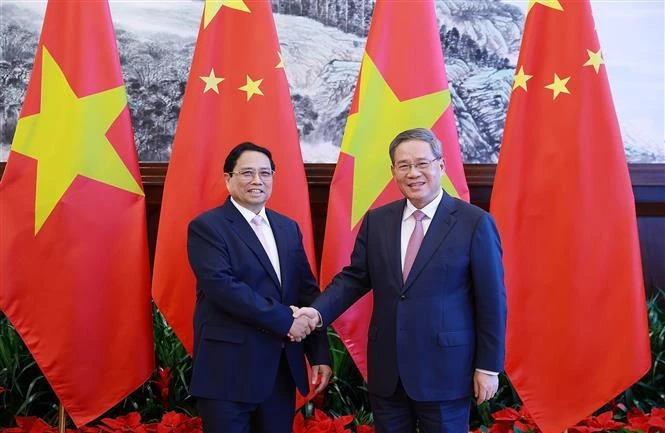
{"points": [[320, 377], [484, 386]]}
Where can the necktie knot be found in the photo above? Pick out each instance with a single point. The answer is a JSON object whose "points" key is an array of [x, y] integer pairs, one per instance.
{"points": [[258, 220], [418, 215]]}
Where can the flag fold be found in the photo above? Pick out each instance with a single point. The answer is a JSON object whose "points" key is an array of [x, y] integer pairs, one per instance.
{"points": [[74, 272], [577, 332]]}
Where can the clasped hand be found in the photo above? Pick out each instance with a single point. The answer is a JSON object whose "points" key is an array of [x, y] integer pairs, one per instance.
{"points": [[306, 319]]}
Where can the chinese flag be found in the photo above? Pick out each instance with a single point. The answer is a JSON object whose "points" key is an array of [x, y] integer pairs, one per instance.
{"points": [[237, 91], [402, 85], [74, 268], [577, 326]]}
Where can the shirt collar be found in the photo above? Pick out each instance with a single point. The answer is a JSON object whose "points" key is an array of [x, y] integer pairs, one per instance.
{"points": [[248, 214], [429, 210]]}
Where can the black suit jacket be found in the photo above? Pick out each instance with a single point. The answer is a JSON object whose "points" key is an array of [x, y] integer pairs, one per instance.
{"points": [[242, 312]]}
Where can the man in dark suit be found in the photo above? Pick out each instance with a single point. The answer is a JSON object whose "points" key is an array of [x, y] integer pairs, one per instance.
{"points": [[437, 330], [250, 266]]}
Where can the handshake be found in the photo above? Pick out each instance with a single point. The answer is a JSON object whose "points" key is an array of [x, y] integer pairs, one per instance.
{"points": [[306, 319]]}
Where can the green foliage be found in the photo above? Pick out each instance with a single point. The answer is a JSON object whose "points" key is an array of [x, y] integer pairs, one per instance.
{"points": [[649, 392], [347, 392], [23, 389], [171, 354]]}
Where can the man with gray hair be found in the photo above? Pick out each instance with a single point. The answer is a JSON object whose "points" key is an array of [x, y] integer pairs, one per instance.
{"points": [[437, 331]]}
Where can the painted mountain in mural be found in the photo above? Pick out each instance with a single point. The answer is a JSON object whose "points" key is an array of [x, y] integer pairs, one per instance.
{"points": [[322, 43]]}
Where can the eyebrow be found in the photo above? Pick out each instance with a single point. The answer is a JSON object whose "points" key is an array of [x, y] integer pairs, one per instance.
{"points": [[416, 160], [246, 167]]}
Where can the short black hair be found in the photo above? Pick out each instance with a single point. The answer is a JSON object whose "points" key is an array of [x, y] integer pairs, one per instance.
{"points": [[234, 154]]}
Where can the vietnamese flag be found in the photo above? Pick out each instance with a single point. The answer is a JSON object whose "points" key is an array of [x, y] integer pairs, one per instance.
{"points": [[577, 324], [237, 91], [74, 270], [402, 85]]}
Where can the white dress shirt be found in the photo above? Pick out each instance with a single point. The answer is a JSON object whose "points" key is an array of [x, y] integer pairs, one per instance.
{"points": [[271, 249]]}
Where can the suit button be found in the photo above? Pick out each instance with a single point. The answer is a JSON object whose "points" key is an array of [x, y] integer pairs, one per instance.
{"points": [[403, 297]]}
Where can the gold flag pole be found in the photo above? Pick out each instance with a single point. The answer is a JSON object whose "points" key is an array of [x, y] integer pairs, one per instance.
{"points": [[62, 419]]}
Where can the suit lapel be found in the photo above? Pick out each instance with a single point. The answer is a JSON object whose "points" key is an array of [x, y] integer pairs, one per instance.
{"points": [[438, 230], [245, 232], [395, 241]]}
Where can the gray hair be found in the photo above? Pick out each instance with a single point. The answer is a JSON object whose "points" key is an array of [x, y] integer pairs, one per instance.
{"points": [[421, 134]]}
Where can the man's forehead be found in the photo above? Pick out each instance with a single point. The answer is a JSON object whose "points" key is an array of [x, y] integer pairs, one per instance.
{"points": [[253, 159], [414, 156], [254, 165]]}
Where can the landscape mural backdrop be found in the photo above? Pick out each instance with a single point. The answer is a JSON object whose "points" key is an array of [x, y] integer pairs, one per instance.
{"points": [[322, 42]]}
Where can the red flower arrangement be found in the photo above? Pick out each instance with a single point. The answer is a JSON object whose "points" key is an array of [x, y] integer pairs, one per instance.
{"points": [[130, 423], [648, 423], [163, 383], [321, 423], [506, 420], [510, 420], [29, 424]]}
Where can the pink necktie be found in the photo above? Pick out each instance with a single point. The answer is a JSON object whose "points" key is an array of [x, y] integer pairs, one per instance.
{"points": [[259, 225], [414, 243]]}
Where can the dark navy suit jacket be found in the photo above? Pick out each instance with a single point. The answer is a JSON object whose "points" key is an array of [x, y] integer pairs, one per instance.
{"points": [[446, 320], [242, 312]]}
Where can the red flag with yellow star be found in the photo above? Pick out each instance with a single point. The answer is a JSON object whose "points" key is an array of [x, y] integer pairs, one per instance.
{"points": [[402, 85], [237, 91], [577, 331], [74, 256]]}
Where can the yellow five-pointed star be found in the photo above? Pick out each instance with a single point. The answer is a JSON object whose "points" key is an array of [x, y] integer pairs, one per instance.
{"points": [[558, 86], [213, 6], [595, 59], [520, 79], [252, 87], [68, 138], [281, 61], [554, 4], [380, 117], [211, 81]]}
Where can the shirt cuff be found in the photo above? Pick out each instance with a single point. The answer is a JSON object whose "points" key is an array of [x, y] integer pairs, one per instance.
{"points": [[491, 373], [320, 324]]}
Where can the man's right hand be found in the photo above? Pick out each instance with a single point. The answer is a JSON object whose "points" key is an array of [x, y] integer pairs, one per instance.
{"points": [[300, 328], [311, 313], [306, 320]]}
